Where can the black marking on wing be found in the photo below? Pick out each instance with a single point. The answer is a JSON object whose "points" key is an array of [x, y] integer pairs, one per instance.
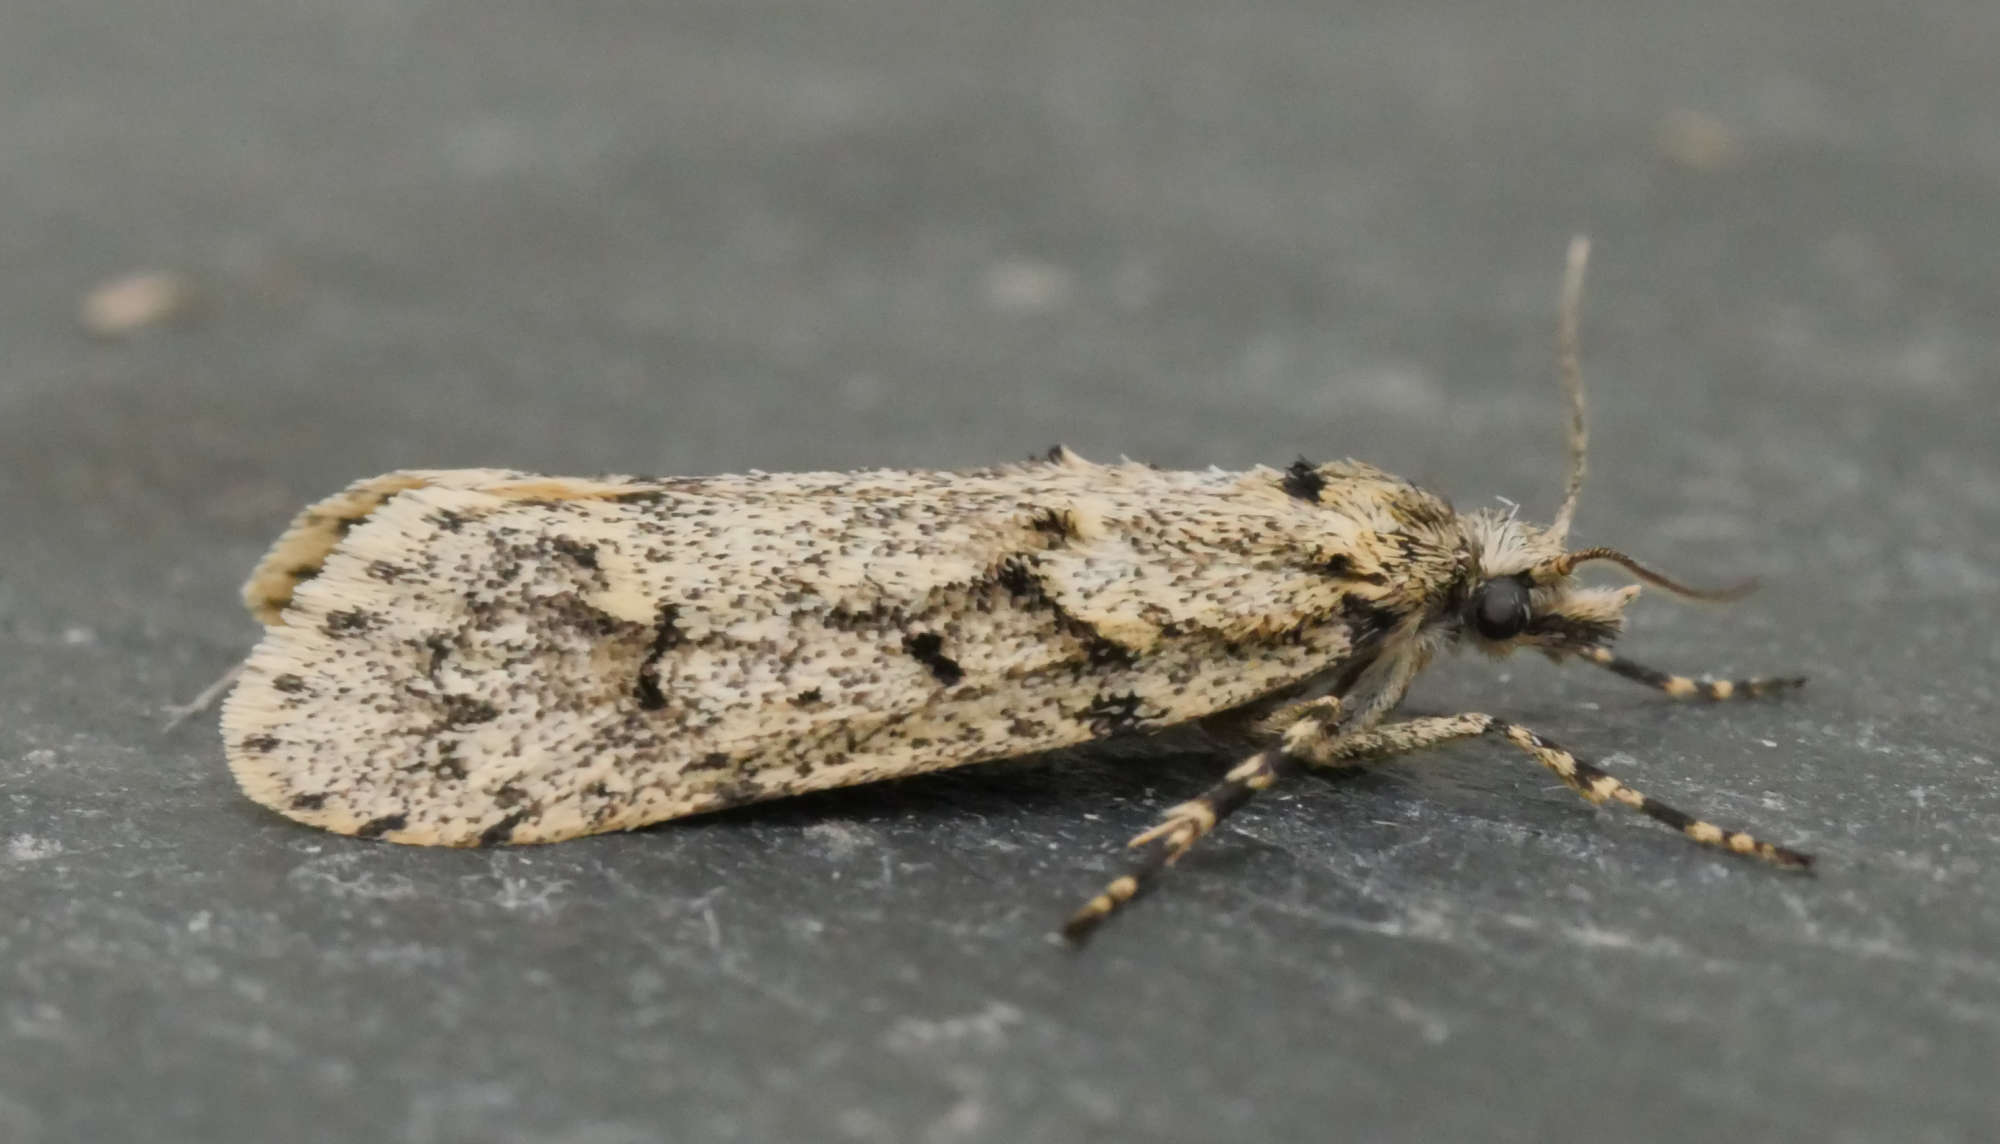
{"points": [[928, 649], [467, 710], [502, 830], [1112, 714], [1020, 582], [667, 635], [1340, 566], [448, 765], [1303, 481], [1023, 727], [584, 554], [639, 496], [377, 827], [1017, 577], [349, 621], [309, 801], [736, 792], [1056, 524], [440, 649], [573, 610], [878, 616], [1107, 654], [1371, 620]]}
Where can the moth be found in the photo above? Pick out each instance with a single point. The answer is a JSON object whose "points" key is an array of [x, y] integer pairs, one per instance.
{"points": [[475, 657]]}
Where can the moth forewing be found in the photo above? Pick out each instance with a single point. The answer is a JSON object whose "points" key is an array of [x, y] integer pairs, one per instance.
{"points": [[471, 657]]}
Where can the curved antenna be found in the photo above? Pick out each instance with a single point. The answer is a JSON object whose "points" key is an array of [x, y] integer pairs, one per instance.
{"points": [[1551, 570], [1570, 369]]}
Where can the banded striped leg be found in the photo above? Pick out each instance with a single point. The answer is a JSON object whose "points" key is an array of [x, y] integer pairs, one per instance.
{"points": [[1184, 825], [1580, 776], [1681, 687]]}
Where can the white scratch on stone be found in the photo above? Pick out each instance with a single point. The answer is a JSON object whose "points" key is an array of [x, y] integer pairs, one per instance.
{"points": [[331, 875], [714, 927], [30, 848], [985, 1029], [1432, 1028], [839, 840], [529, 895]]}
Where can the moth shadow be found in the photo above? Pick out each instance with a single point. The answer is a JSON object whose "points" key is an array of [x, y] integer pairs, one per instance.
{"points": [[1062, 784]]}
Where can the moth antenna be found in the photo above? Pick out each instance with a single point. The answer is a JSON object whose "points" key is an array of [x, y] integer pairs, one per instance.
{"points": [[1569, 368], [1551, 570]]}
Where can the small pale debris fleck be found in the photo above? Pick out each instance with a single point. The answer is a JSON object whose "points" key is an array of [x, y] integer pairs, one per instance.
{"points": [[134, 302], [1026, 286], [1698, 141]]}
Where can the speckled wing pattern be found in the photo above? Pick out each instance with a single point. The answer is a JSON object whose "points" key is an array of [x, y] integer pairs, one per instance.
{"points": [[480, 656]]}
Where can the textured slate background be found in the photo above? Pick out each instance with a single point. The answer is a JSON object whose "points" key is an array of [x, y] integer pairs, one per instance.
{"points": [[601, 236]]}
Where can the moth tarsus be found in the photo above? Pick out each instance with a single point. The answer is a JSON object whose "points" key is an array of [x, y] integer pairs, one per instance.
{"points": [[485, 657]]}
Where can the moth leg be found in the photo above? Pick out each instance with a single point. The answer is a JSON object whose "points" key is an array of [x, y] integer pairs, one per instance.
{"points": [[1681, 687], [1579, 775], [1184, 825], [1399, 738]]}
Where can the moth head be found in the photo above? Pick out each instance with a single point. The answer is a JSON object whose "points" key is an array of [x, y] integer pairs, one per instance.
{"points": [[1525, 593]]}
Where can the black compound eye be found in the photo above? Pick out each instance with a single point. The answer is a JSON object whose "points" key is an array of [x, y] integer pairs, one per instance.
{"points": [[1500, 608]]}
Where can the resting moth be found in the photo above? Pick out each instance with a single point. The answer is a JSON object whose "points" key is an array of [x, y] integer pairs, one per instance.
{"points": [[473, 657]]}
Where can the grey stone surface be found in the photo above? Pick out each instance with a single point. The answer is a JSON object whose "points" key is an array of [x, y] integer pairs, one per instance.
{"points": [[684, 238]]}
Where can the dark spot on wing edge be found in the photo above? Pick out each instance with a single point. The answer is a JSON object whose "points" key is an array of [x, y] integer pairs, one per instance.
{"points": [[1303, 481], [502, 830], [377, 827]]}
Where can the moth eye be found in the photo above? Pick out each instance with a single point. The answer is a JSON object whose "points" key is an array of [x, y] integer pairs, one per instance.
{"points": [[1500, 609]]}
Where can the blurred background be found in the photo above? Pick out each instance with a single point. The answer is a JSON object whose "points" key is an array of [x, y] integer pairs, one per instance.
{"points": [[254, 251]]}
